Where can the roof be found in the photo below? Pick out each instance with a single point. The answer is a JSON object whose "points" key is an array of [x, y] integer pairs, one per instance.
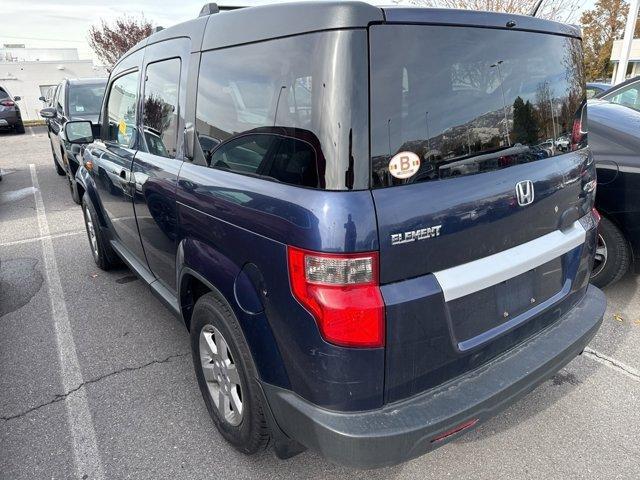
{"points": [[252, 24], [87, 81]]}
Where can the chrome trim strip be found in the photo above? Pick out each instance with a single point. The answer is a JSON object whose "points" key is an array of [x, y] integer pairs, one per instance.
{"points": [[485, 272]]}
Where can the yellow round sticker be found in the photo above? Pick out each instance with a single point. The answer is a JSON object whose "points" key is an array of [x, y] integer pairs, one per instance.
{"points": [[122, 127], [404, 165]]}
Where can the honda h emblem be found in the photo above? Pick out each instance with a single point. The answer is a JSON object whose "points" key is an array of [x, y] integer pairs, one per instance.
{"points": [[525, 193]]}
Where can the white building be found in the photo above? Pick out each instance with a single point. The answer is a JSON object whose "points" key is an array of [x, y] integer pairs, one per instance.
{"points": [[634, 58], [29, 72]]}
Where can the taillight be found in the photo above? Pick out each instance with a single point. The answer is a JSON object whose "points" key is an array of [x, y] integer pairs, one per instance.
{"points": [[7, 103], [342, 293], [577, 133]]}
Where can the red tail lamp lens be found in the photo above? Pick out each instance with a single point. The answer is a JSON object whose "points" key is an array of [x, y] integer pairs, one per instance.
{"points": [[341, 292]]}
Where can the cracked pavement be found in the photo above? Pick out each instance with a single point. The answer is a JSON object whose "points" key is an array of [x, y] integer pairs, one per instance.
{"points": [[143, 399]]}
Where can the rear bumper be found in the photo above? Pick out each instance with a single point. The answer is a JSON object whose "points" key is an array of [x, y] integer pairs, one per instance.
{"points": [[406, 429], [9, 118]]}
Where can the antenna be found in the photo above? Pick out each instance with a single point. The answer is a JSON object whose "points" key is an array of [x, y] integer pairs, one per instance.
{"points": [[536, 7]]}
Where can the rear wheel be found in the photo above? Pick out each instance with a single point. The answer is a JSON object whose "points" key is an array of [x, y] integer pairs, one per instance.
{"points": [[101, 250], [612, 255], [19, 127], [227, 376]]}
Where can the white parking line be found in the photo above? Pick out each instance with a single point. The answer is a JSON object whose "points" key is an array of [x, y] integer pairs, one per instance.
{"points": [[37, 239], [85, 448], [612, 363], [31, 130]]}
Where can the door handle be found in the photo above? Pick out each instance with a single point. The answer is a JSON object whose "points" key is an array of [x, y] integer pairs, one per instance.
{"points": [[123, 174]]}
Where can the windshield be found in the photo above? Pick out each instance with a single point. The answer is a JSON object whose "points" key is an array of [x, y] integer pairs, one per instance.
{"points": [[85, 99], [451, 101]]}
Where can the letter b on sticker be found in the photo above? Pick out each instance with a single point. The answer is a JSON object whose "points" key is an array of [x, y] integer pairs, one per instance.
{"points": [[404, 165]]}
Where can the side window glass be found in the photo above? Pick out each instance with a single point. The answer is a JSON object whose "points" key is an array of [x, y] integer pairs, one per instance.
{"points": [[244, 154], [629, 97], [294, 163], [160, 108], [306, 89], [61, 96], [121, 110], [285, 159]]}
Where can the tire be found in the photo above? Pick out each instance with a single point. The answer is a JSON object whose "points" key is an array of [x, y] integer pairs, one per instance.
{"points": [[73, 186], [101, 250], [75, 193], [612, 255], [19, 128], [61, 171], [213, 319]]}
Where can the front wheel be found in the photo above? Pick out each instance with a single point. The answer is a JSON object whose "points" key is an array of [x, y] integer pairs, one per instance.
{"points": [[61, 171], [227, 376], [101, 250], [612, 257]]}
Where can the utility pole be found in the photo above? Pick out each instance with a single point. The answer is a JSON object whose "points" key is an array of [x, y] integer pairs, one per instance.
{"points": [[621, 72], [504, 101]]}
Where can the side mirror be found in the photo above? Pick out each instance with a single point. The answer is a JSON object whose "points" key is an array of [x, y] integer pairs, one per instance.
{"points": [[48, 112], [42, 99], [78, 131], [17, 98]]}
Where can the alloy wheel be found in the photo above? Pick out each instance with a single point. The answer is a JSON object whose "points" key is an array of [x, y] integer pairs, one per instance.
{"points": [[221, 374], [601, 256], [91, 232]]}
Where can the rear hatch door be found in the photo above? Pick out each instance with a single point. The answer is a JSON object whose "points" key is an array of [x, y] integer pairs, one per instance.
{"points": [[477, 185]]}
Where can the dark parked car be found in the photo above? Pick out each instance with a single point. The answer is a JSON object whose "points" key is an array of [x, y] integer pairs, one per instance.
{"points": [[73, 99], [614, 137], [10, 116], [273, 174]]}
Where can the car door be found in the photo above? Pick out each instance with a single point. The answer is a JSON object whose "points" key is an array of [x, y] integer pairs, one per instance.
{"points": [[112, 155], [158, 161]]}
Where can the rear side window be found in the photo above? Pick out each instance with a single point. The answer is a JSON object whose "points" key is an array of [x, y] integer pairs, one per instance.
{"points": [[121, 110], [628, 96], [455, 101], [160, 107], [308, 92], [285, 159]]}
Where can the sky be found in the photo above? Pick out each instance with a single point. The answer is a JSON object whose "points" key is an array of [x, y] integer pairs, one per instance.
{"points": [[65, 23]]}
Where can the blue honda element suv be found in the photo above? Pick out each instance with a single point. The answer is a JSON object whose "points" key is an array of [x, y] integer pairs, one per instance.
{"points": [[363, 215]]}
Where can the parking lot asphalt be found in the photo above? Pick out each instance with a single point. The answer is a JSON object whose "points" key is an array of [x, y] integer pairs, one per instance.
{"points": [[96, 378]]}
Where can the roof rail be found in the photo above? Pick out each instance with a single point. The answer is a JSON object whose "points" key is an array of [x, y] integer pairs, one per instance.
{"points": [[211, 8]]}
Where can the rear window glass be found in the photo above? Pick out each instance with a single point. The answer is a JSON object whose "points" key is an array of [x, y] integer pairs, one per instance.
{"points": [[85, 99], [309, 91], [3, 94], [452, 101]]}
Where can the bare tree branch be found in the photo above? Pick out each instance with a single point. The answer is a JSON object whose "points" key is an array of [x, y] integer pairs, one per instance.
{"points": [[111, 41]]}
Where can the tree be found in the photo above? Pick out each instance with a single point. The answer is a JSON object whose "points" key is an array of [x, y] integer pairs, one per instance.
{"points": [[601, 26], [111, 41], [559, 10], [525, 128]]}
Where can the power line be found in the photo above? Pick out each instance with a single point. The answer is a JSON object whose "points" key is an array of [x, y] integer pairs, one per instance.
{"points": [[40, 38]]}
